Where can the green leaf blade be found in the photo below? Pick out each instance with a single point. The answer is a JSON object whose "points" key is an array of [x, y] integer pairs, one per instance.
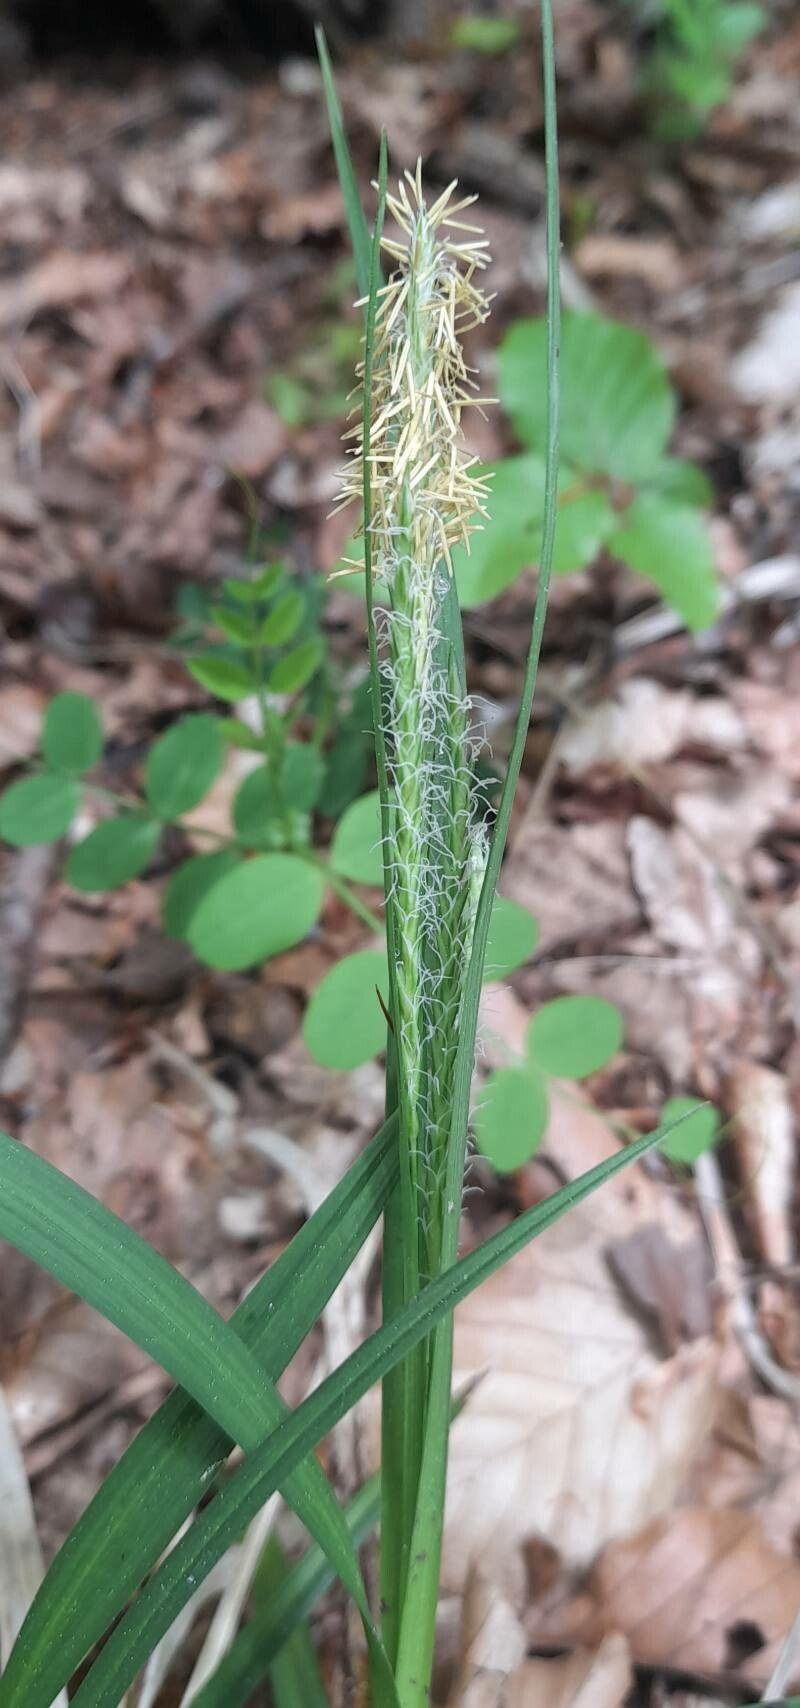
{"points": [[357, 846], [182, 765], [344, 1024], [36, 810], [573, 1036], [511, 1118], [72, 734], [114, 852], [670, 544], [264, 906]]}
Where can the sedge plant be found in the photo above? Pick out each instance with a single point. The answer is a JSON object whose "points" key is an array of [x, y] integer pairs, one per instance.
{"points": [[172, 1506]]}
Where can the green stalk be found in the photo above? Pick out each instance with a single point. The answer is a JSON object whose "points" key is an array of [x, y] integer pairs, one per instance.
{"points": [[416, 1645]]}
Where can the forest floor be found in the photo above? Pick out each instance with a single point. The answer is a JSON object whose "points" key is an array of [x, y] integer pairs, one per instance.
{"points": [[627, 1474]]}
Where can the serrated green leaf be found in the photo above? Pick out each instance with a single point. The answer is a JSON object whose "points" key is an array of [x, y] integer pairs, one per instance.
{"points": [[697, 1130], [510, 540], [284, 619], [573, 1036], [226, 678], [223, 1521], [671, 545], [513, 935], [266, 905], [357, 846], [682, 483], [183, 764], [187, 887], [72, 735], [511, 1117], [90, 1251], [292, 672], [38, 809], [344, 1024], [118, 850], [617, 406]]}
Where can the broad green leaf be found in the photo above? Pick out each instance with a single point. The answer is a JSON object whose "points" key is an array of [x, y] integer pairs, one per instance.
{"points": [[93, 1253], [72, 735], [573, 1036], [738, 21], [226, 678], [292, 672], [617, 406], [269, 579], [255, 805], [511, 1117], [187, 887], [682, 483], [183, 764], [346, 772], [223, 1521], [671, 545], [118, 850], [267, 904], [513, 935], [284, 619], [485, 33], [344, 1023], [240, 735], [166, 1469], [356, 849], [237, 626], [510, 540], [698, 1129], [38, 809], [302, 775]]}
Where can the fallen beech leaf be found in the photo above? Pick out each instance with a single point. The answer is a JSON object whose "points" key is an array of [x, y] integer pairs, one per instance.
{"points": [[593, 898], [700, 1590], [646, 723], [587, 1678], [576, 1433]]}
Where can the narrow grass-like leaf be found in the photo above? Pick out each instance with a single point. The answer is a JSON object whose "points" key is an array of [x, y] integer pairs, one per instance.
{"points": [[294, 1675], [359, 234], [274, 1622], [166, 1468], [223, 1521]]}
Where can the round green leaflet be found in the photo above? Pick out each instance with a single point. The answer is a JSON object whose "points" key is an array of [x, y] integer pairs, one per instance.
{"points": [[356, 850], [265, 905], [227, 678], [344, 1023], [192, 881], [573, 1036], [118, 850], [513, 934], [72, 735], [698, 1130], [183, 764], [511, 1117], [38, 809]]}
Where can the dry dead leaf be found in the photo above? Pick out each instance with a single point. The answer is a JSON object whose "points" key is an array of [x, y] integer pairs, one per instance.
{"points": [[494, 1671], [60, 280], [592, 901], [700, 1590], [646, 723], [656, 261], [21, 710], [254, 441], [576, 1432], [588, 1678]]}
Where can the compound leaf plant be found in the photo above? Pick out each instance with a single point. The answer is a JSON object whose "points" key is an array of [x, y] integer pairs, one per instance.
{"points": [[116, 1587]]}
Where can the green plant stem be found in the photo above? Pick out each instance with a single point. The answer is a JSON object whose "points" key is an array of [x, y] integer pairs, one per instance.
{"points": [[344, 889], [418, 1626]]}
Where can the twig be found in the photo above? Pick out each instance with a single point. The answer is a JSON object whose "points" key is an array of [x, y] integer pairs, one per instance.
{"points": [[732, 1285]]}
